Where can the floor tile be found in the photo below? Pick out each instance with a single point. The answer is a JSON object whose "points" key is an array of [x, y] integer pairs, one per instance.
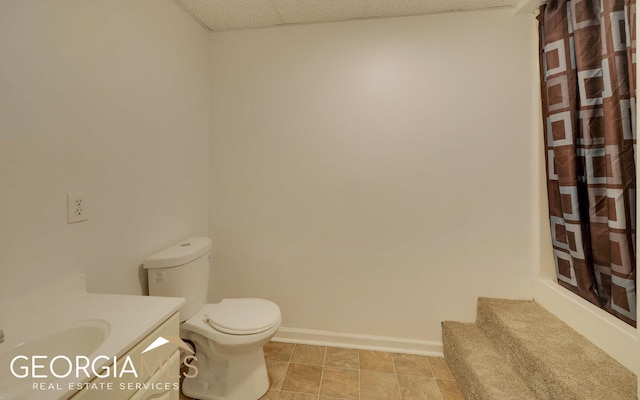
{"points": [[296, 396], [306, 372], [340, 383], [450, 390], [307, 354], [376, 361], [418, 388], [440, 368], [378, 386], [277, 351], [270, 395], [341, 358], [276, 371], [302, 378], [409, 364]]}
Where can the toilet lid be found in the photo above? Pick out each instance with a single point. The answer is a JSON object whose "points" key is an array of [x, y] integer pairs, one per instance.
{"points": [[243, 316]]}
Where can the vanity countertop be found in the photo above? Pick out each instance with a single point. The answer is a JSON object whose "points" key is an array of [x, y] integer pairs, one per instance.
{"points": [[27, 318]]}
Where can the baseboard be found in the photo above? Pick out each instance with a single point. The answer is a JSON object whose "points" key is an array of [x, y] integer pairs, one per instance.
{"points": [[363, 342], [616, 338]]}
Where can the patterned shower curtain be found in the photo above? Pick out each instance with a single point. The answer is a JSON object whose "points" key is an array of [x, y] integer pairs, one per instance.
{"points": [[587, 70]]}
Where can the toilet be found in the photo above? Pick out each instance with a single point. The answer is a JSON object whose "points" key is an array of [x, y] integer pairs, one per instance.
{"points": [[228, 336]]}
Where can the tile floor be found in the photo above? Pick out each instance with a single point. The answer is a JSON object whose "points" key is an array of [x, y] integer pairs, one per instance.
{"points": [[305, 372]]}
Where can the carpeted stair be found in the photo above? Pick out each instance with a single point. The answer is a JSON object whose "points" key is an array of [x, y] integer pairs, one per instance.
{"points": [[517, 350]]}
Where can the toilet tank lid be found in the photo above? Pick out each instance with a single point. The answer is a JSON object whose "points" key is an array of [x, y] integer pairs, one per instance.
{"points": [[180, 253]]}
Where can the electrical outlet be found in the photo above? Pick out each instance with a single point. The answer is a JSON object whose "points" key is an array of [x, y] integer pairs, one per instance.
{"points": [[77, 207]]}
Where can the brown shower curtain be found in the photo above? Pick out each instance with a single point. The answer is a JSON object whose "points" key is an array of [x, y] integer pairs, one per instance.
{"points": [[587, 71]]}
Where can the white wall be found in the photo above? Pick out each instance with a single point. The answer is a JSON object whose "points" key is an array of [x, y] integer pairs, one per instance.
{"points": [[375, 177], [111, 97]]}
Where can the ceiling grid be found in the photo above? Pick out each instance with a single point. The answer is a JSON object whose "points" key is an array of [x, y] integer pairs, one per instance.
{"points": [[218, 15]]}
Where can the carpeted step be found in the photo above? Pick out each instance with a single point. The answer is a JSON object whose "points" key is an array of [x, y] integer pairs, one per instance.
{"points": [[555, 361], [480, 370]]}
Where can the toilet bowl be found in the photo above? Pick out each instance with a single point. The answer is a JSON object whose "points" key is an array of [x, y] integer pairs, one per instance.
{"points": [[228, 336]]}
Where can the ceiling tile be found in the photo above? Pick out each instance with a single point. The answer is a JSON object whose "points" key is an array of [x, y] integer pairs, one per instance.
{"points": [[241, 14], [232, 14], [309, 11], [480, 4], [387, 8]]}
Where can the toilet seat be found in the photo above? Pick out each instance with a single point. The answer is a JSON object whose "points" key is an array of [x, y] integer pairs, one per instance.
{"points": [[243, 316]]}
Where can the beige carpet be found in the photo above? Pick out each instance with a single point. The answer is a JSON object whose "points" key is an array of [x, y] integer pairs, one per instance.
{"points": [[518, 350]]}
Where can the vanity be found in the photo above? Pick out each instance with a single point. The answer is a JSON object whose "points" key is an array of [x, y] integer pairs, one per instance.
{"points": [[61, 342]]}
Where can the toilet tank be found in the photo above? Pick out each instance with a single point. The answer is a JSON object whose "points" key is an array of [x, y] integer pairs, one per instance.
{"points": [[181, 270]]}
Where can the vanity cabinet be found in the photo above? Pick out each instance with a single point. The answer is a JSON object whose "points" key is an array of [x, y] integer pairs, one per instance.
{"points": [[160, 386], [158, 371]]}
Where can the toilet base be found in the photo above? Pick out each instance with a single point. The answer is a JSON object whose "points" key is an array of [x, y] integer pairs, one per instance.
{"points": [[240, 377]]}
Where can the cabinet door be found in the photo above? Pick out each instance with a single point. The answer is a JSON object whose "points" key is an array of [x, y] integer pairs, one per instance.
{"points": [[164, 384], [125, 387]]}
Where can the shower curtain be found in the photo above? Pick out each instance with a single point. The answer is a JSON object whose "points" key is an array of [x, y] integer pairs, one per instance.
{"points": [[587, 71]]}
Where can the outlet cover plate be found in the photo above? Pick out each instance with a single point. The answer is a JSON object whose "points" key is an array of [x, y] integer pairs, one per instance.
{"points": [[77, 207]]}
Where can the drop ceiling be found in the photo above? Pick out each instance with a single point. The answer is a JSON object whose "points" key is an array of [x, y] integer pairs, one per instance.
{"points": [[217, 15]]}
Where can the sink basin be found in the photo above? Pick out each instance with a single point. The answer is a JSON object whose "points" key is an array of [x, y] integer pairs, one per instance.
{"points": [[79, 338]]}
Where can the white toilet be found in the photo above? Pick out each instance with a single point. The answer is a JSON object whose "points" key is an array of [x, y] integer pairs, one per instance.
{"points": [[228, 336]]}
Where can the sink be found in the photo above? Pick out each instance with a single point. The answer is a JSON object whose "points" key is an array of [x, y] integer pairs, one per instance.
{"points": [[78, 338], [50, 325]]}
